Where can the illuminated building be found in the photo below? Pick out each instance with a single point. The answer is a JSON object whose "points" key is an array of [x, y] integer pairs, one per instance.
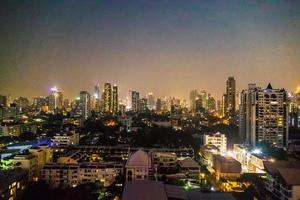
{"points": [[97, 96], [115, 100], [21, 102], [198, 105], [71, 175], [204, 97], [12, 183], [150, 101], [230, 100], [133, 101], [143, 105], [39, 102], [85, 104], [189, 166], [66, 138], [158, 105], [193, 97], [226, 167], [107, 98], [218, 140], [264, 116], [55, 100], [138, 166], [44, 155], [165, 162], [211, 104], [28, 162], [9, 112], [224, 103]]}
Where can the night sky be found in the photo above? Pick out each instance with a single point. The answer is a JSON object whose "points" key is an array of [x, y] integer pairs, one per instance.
{"points": [[168, 47]]}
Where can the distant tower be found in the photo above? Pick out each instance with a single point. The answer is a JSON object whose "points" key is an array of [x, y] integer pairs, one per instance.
{"points": [[115, 100], [230, 101], [193, 98], [55, 100], [133, 99], [150, 101], [97, 96], [107, 98], [85, 104]]}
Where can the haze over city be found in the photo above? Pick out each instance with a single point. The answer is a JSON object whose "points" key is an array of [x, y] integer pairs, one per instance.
{"points": [[167, 47]]}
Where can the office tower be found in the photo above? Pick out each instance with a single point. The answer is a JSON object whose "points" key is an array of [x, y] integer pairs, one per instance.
{"points": [[3, 101], [230, 101], [97, 97], [211, 103], [143, 105], [107, 98], [21, 102], [204, 97], [133, 101], [150, 101], [67, 105], [55, 100], [219, 107], [264, 116], [115, 99], [224, 103], [199, 107], [158, 105], [193, 97], [85, 104], [39, 102]]}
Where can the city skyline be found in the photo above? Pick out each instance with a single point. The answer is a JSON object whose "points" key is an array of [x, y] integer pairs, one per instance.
{"points": [[168, 48]]}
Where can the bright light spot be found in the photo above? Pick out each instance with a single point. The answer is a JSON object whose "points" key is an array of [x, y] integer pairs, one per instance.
{"points": [[256, 151], [230, 153], [54, 89], [212, 189]]}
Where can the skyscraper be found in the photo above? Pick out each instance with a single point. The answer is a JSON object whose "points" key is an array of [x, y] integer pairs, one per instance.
{"points": [[133, 101], [97, 96], [150, 101], [115, 99], [264, 116], [107, 98], [158, 105], [55, 100], [230, 102], [85, 104], [193, 97]]}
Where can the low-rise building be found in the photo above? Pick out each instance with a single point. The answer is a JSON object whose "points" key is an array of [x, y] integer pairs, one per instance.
{"points": [[217, 139], [189, 166], [164, 162], [12, 183], [71, 175], [28, 162], [283, 180], [66, 138], [226, 167]]}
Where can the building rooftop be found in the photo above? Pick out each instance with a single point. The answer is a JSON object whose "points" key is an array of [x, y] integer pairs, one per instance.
{"points": [[144, 190], [139, 158], [196, 194], [188, 163], [290, 175], [150, 190]]}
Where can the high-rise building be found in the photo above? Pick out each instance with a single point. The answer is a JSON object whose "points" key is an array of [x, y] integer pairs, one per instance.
{"points": [[3, 101], [193, 97], [264, 116], [107, 98], [97, 97], [21, 102], [39, 102], [115, 99], [204, 97], [150, 101], [55, 100], [133, 101], [224, 103], [143, 105], [211, 103], [85, 104], [158, 105], [230, 102]]}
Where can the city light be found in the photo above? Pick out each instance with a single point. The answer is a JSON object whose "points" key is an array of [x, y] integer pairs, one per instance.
{"points": [[256, 151]]}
